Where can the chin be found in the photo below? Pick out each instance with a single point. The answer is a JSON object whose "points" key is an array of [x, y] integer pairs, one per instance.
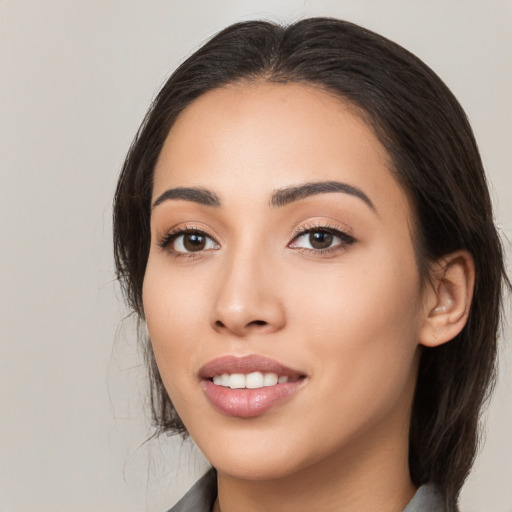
{"points": [[261, 467], [251, 455]]}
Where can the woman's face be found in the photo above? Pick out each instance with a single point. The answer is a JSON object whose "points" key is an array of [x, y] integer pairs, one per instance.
{"points": [[281, 250]]}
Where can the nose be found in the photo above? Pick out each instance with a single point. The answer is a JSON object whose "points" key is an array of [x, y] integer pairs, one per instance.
{"points": [[248, 299]]}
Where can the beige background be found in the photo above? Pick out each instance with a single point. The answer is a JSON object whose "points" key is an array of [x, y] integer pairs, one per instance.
{"points": [[76, 79]]}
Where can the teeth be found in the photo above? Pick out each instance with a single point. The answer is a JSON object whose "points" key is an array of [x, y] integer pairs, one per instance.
{"points": [[254, 380], [237, 381], [270, 379]]}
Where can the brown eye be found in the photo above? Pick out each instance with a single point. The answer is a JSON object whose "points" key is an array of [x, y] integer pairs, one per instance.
{"points": [[320, 239], [188, 242], [194, 242]]}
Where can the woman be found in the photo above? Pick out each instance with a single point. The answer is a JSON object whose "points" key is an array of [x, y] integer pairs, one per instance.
{"points": [[304, 225]]}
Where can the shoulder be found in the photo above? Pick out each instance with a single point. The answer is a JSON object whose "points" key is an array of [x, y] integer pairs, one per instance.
{"points": [[428, 498], [200, 497], [202, 494]]}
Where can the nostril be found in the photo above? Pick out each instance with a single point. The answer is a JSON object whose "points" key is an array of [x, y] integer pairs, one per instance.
{"points": [[239, 328], [220, 324]]}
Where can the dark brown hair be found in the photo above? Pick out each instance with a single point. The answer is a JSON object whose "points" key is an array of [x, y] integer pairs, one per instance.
{"points": [[436, 160]]}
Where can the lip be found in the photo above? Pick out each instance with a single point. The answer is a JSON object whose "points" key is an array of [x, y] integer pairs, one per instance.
{"points": [[246, 364], [248, 403]]}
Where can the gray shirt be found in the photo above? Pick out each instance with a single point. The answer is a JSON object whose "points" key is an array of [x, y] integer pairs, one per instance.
{"points": [[202, 495]]}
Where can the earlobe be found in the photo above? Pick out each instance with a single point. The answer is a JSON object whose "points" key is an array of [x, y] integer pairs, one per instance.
{"points": [[448, 299]]}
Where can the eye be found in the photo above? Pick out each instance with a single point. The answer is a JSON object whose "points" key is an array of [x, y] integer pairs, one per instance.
{"points": [[188, 241], [321, 239]]}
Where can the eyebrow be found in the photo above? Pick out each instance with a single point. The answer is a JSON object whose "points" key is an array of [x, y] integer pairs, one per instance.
{"points": [[280, 197], [287, 195], [196, 195]]}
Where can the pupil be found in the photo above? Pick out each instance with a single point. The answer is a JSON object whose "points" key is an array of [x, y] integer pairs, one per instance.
{"points": [[194, 242], [320, 239]]}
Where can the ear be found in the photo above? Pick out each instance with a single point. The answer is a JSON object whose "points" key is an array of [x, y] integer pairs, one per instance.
{"points": [[448, 298]]}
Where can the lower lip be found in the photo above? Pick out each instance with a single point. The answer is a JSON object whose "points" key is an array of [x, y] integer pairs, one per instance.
{"points": [[248, 403]]}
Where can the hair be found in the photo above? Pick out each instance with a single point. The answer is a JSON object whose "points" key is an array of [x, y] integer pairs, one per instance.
{"points": [[436, 161]]}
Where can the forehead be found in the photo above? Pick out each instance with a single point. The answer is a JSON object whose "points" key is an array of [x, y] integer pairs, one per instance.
{"points": [[258, 137]]}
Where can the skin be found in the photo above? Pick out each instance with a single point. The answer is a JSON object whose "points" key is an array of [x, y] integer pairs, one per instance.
{"points": [[350, 318]]}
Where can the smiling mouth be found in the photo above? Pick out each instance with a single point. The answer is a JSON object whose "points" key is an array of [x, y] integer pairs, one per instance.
{"points": [[252, 371], [253, 380], [249, 386]]}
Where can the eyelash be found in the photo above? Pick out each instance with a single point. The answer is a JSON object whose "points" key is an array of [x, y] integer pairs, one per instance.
{"points": [[343, 236], [169, 238]]}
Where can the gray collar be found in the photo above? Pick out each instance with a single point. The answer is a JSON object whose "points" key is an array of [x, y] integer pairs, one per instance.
{"points": [[202, 495], [428, 498]]}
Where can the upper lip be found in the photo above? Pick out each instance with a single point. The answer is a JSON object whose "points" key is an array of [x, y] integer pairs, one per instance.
{"points": [[246, 364]]}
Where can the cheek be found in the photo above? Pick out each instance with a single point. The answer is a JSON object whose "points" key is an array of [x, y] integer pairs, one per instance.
{"points": [[363, 293], [362, 330], [173, 311]]}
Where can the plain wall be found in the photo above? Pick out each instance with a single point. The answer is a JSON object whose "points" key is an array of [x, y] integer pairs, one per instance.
{"points": [[76, 79]]}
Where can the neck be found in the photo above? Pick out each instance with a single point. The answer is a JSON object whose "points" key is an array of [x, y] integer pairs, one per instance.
{"points": [[373, 477]]}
